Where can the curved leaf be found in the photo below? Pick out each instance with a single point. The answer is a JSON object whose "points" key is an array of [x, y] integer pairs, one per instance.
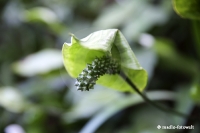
{"points": [[111, 42]]}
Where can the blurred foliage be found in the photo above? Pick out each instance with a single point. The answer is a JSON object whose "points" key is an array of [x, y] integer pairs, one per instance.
{"points": [[195, 92], [187, 9], [36, 93]]}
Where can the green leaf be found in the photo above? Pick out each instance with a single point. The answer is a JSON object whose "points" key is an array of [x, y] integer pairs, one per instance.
{"points": [[79, 53], [38, 14], [195, 93], [187, 8], [41, 62]]}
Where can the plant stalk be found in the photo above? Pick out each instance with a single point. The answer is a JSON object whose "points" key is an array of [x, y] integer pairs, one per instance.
{"points": [[146, 99]]}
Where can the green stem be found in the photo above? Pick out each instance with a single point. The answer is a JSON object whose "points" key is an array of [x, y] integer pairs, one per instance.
{"points": [[196, 35], [168, 110]]}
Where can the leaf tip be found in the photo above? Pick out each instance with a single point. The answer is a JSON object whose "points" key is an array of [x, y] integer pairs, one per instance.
{"points": [[67, 44]]}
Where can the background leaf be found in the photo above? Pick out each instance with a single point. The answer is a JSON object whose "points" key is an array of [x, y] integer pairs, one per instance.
{"points": [[39, 63], [11, 99], [187, 9], [114, 107]]}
